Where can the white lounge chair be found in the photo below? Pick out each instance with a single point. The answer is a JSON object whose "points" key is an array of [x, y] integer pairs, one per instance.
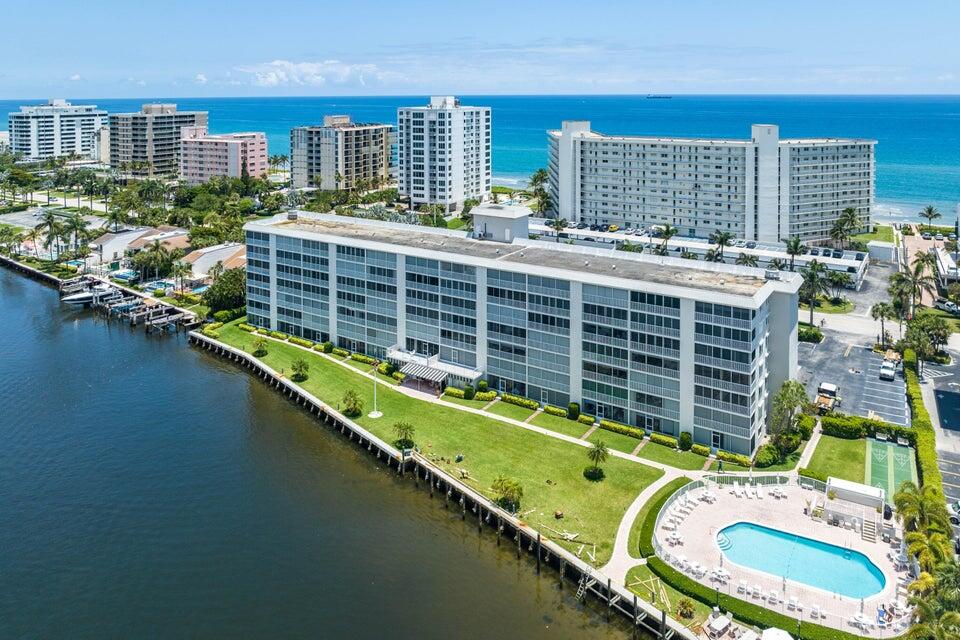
{"points": [[773, 597], [757, 591], [742, 587], [815, 612], [794, 604]]}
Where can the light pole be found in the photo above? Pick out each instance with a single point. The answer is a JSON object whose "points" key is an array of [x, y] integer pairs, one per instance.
{"points": [[376, 413]]}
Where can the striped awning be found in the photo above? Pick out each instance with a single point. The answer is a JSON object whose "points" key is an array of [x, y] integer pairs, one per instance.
{"points": [[424, 372]]}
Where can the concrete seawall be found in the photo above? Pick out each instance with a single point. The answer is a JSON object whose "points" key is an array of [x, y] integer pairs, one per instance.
{"points": [[472, 505]]}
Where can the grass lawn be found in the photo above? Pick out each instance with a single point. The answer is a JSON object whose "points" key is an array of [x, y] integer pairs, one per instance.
{"points": [[728, 467], [199, 309], [881, 232], [549, 470], [633, 542], [456, 223], [643, 589], [787, 465], [368, 368], [951, 319], [616, 441], [840, 458], [508, 410], [827, 305], [476, 404], [560, 425], [665, 455]]}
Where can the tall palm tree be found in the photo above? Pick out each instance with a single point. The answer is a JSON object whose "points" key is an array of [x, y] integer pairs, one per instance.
{"points": [[917, 280], [794, 249], [558, 225], [721, 239], [814, 283], [746, 260], [882, 311], [180, 270], [77, 227], [930, 547], [930, 213], [777, 264], [929, 623], [918, 508], [216, 270], [159, 256], [666, 233], [33, 236]]}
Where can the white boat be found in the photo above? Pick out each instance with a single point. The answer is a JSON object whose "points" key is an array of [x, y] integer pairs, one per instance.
{"points": [[85, 297]]}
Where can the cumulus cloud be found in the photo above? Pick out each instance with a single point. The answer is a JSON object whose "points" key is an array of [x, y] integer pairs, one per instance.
{"points": [[281, 73], [200, 78], [75, 77]]}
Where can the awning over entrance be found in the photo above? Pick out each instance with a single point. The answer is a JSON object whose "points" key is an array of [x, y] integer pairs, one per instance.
{"points": [[423, 372]]}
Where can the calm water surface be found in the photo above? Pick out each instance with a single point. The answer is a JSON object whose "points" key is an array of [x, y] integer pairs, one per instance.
{"points": [[150, 490]]}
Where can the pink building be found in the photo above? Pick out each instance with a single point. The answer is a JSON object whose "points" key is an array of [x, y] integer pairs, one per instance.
{"points": [[203, 155]]}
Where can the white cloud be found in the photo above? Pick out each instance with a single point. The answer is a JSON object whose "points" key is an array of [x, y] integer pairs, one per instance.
{"points": [[279, 73], [75, 77], [200, 78]]}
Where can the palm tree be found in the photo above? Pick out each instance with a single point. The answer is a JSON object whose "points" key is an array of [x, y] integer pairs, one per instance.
{"points": [[840, 232], [746, 260], [794, 249], [117, 217], [666, 233], [721, 239], [509, 492], [558, 225], [688, 255], [777, 264], [918, 508], [159, 256], [597, 454], [76, 226], [33, 236], [180, 270], [929, 547], [917, 281], [404, 432], [930, 213], [882, 311], [814, 283], [930, 622], [538, 182], [216, 270]]}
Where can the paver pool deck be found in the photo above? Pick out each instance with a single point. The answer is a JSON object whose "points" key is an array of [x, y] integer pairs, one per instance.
{"points": [[699, 532]]}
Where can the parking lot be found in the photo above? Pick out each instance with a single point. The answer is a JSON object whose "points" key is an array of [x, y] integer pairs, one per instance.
{"points": [[949, 464], [856, 371]]}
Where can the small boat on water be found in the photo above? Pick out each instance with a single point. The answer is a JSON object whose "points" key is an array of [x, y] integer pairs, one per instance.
{"points": [[86, 297]]}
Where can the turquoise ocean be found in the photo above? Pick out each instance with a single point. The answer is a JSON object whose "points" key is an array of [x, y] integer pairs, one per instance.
{"points": [[918, 150]]}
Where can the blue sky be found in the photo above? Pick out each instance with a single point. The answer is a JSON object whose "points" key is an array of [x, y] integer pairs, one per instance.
{"points": [[177, 48]]}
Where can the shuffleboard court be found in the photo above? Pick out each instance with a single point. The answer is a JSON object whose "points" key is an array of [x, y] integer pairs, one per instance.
{"points": [[888, 465]]}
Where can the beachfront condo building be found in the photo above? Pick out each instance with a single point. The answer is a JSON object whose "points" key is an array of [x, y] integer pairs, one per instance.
{"points": [[146, 143], [340, 155], [55, 129], [763, 188], [443, 153], [666, 344], [203, 156]]}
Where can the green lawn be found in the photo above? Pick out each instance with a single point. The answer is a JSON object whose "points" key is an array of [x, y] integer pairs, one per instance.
{"points": [[951, 319], [456, 223], [787, 465], [665, 455], [881, 232], [633, 542], [508, 410], [560, 425], [840, 458], [549, 470], [827, 305], [616, 441], [476, 404], [728, 467], [641, 580]]}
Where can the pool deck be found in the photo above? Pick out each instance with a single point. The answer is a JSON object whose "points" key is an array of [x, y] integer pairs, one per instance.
{"points": [[699, 533]]}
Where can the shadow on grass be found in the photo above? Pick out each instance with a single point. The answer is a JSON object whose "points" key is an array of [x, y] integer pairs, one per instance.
{"points": [[594, 474]]}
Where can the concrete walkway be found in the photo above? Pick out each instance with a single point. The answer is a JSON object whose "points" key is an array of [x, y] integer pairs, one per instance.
{"points": [[811, 447]]}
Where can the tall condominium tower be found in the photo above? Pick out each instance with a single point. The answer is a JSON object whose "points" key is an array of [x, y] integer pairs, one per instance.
{"points": [[57, 128], [762, 188], [443, 153], [339, 154], [147, 142]]}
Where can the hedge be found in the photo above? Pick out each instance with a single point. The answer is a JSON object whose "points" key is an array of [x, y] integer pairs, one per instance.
{"points": [[653, 507], [386, 368], [399, 377], [14, 208], [520, 401], [806, 424], [359, 357], [747, 612], [554, 411], [249, 328], [700, 450], [337, 351], [263, 332], [806, 333], [616, 427], [807, 473], [210, 330], [453, 392], [735, 458], [485, 396], [585, 419], [279, 335], [855, 427], [925, 440], [667, 441], [226, 315]]}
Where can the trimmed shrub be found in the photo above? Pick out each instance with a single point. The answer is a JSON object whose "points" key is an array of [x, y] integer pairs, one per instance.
{"points": [[925, 437], [735, 458], [263, 332], [210, 330], [386, 368], [468, 392], [482, 385], [520, 401], [360, 357], [616, 427], [806, 333], [326, 347], [686, 441], [485, 396], [249, 328], [399, 377], [807, 473], [279, 335], [554, 411], [585, 419], [805, 424], [225, 315], [453, 392], [159, 293], [701, 450], [650, 519], [660, 438], [303, 342], [767, 456], [337, 351], [573, 411]]}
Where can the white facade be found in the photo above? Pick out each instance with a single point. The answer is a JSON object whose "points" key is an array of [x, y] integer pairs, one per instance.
{"points": [[443, 153], [762, 188], [57, 128]]}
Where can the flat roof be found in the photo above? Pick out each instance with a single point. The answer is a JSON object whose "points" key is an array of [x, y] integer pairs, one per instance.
{"points": [[594, 135], [583, 263], [508, 211]]}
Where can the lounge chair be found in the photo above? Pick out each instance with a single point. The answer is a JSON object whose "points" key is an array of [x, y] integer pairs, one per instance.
{"points": [[773, 597], [757, 591], [757, 492], [742, 587], [815, 612], [794, 604]]}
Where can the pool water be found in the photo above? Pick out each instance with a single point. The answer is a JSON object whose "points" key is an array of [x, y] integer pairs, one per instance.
{"points": [[814, 563]]}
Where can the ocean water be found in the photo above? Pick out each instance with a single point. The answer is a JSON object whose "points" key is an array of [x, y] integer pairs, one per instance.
{"points": [[918, 150]]}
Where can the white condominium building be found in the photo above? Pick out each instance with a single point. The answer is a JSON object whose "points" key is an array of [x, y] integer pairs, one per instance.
{"points": [[57, 128], [443, 153], [147, 142], [666, 344], [762, 188], [339, 154]]}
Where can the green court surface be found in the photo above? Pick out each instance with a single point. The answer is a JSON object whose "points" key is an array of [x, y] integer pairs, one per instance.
{"points": [[889, 464]]}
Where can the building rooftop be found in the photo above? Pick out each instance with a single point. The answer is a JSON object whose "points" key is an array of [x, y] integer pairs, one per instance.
{"points": [[587, 262], [594, 135], [507, 211]]}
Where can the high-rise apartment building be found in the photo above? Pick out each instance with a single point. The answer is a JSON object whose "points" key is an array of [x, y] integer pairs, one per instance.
{"points": [[443, 153], [203, 156], [57, 128], [147, 142], [666, 344], [340, 154], [762, 188]]}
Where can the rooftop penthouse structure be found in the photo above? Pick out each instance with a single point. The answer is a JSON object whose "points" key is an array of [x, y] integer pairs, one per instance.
{"points": [[656, 342], [762, 188]]}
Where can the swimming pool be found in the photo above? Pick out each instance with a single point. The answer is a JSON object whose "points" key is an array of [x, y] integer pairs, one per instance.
{"points": [[818, 564]]}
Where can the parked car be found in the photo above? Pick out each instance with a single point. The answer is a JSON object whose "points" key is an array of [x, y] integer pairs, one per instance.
{"points": [[613, 227], [926, 236], [739, 243], [939, 237], [888, 371], [751, 245], [953, 508], [604, 228], [946, 305], [582, 225], [952, 236], [860, 257], [814, 252], [837, 253]]}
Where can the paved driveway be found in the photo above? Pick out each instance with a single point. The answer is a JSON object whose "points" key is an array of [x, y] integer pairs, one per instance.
{"points": [[856, 370]]}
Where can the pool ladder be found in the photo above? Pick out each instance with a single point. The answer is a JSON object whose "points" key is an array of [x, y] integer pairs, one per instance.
{"points": [[723, 542]]}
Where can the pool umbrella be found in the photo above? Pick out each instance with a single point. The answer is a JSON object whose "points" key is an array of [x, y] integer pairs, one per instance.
{"points": [[775, 634]]}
